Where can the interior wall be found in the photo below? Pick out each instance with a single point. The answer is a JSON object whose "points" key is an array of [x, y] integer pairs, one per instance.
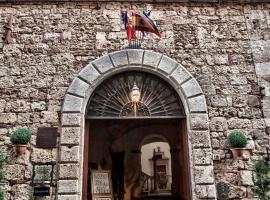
{"points": [[147, 154]]}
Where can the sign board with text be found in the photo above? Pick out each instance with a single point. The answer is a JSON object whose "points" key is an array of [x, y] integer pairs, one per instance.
{"points": [[101, 184]]}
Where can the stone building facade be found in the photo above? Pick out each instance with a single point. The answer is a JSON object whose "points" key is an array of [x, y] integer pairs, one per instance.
{"points": [[215, 53]]}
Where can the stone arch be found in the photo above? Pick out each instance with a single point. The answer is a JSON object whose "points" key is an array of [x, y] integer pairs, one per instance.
{"points": [[72, 122]]}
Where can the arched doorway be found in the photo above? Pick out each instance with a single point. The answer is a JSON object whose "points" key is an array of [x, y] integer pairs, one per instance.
{"points": [[75, 130]]}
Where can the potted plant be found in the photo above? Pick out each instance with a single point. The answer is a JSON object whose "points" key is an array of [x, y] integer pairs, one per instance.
{"points": [[20, 138], [238, 142]]}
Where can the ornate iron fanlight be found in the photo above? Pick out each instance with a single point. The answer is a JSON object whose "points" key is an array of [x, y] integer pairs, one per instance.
{"points": [[113, 97]]}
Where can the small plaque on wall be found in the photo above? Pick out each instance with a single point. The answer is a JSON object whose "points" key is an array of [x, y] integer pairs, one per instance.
{"points": [[46, 137]]}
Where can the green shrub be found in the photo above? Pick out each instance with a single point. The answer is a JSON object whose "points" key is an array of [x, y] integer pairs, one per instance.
{"points": [[237, 139], [2, 194], [20, 136], [262, 187], [2, 165]]}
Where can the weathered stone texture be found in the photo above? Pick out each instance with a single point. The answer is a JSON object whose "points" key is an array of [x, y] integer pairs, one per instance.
{"points": [[224, 46]]}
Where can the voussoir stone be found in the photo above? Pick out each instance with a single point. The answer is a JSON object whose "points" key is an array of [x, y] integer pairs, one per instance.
{"points": [[191, 88], [135, 56], [103, 64], [72, 103], [197, 104], [78, 87], [167, 64], [151, 58], [89, 73], [180, 74], [119, 58]]}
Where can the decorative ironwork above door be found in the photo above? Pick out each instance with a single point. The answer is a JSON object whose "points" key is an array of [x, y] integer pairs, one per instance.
{"points": [[134, 94]]}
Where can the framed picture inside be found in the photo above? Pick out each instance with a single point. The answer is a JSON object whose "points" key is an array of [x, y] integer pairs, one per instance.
{"points": [[101, 184]]}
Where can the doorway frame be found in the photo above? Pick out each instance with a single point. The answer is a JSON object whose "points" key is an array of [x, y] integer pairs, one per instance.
{"points": [[72, 133]]}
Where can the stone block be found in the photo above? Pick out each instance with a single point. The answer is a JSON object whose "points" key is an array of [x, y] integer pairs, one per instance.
{"points": [[42, 156], [201, 139], [89, 73], [70, 135], [22, 191], [119, 58], [218, 124], [253, 101], [67, 186], [204, 174], [2, 105], [68, 197], [237, 123], [78, 87], [167, 64], [180, 74], [8, 118], [69, 154], [262, 69], [203, 156], [246, 178], [103, 64], [191, 88], [151, 59], [15, 172], [221, 59], [135, 56], [197, 104], [69, 171], [71, 119], [258, 123], [218, 101], [206, 191], [199, 122], [72, 103]]}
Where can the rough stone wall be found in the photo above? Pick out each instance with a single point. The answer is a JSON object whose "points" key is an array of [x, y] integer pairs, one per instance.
{"points": [[219, 44]]}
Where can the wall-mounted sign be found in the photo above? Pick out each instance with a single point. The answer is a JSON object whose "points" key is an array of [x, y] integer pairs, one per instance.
{"points": [[46, 137], [101, 185]]}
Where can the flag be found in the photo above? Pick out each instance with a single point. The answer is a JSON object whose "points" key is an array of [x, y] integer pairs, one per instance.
{"points": [[124, 18], [142, 22], [131, 32]]}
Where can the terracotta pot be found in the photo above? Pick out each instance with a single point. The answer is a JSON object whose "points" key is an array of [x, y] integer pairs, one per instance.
{"points": [[21, 148], [238, 152]]}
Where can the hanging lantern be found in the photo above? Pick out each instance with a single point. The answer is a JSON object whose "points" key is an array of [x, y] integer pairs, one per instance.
{"points": [[135, 94]]}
